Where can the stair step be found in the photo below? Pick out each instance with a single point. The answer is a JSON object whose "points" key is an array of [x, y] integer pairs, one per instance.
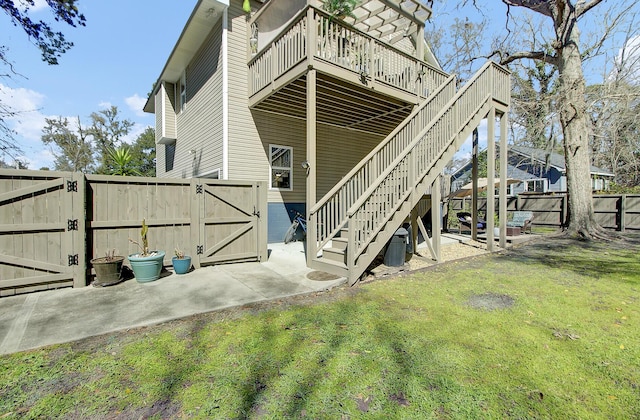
{"points": [[339, 243], [333, 254]]}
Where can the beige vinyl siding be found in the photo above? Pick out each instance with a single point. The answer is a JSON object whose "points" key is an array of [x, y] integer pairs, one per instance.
{"points": [[199, 126], [339, 150], [406, 46], [165, 113], [247, 156], [251, 133]]}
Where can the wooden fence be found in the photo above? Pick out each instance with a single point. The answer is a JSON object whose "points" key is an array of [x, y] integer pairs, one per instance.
{"points": [[53, 223], [616, 212]]}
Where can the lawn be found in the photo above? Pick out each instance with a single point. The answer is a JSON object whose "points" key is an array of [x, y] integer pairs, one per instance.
{"points": [[550, 330]]}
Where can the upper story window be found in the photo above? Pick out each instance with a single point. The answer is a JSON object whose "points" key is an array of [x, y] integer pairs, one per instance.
{"points": [[281, 160], [182, 91]]}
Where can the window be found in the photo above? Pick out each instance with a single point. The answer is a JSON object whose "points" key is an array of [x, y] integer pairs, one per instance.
{"points": [[182, 92], [536, 185], [281, 159]]}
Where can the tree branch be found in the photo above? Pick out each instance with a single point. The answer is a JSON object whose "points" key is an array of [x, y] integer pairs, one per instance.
{"points": [[533, 55], [540, 6], [583, 8]]}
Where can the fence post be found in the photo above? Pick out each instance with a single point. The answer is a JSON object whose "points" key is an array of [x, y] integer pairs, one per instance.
{"points": [[623, 210], [78, 212], [196, 220]]}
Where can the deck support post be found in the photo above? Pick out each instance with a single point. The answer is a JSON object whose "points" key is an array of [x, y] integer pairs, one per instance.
{"points": [[503, 179], [474, 186], [436, 216], [491, 177], [312, 222]]}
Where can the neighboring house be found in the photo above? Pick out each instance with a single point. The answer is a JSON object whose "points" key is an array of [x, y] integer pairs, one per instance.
{"points": [[540, 171], [331, 112]]}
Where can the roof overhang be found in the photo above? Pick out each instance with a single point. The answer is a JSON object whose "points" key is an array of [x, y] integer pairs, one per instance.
{"points": [[203, 18]]}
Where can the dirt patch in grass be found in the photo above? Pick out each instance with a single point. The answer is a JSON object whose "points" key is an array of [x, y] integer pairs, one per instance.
{"points": [[490, 301]]}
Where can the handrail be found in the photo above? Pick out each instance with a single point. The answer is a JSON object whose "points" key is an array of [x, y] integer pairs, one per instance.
{"points": [[342, 196]]}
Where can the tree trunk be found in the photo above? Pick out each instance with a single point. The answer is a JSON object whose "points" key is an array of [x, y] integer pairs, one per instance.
{"points": [[575, 127]]}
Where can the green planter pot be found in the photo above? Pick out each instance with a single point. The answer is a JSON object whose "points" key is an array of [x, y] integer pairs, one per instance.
{"points": [[147, 269], [181, 265]]}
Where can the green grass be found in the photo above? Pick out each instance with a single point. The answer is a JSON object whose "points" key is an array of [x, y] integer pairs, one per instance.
{"points": [[409, 347]]}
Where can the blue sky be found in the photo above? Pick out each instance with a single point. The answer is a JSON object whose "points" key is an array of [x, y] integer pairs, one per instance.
{"points": [[115, 60]]}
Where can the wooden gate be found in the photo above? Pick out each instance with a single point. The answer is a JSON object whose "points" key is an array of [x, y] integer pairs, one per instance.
{"points": [[233, 221], [41, 231]]}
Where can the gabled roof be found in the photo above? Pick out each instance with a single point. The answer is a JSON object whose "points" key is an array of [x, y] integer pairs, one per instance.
{"points": [[537, 155], [555, 160], [204, 16]]}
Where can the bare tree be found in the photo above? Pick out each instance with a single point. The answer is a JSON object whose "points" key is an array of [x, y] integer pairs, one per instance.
{"points": [[614, 109], [562, 50], [70, 145]]}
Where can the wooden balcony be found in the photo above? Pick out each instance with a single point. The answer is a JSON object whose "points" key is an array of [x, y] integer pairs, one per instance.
{"points": [[362, 82]]}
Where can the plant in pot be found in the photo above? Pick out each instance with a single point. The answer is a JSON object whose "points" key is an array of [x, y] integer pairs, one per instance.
{"points": [[146, 265], [108, 269], [181, 262]]}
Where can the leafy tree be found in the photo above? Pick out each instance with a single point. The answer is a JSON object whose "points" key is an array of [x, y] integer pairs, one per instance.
{"points": [[107, 130], [143, 153], [70, 145], [52, 44]]}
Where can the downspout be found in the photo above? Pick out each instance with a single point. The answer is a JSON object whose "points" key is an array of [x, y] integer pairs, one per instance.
{"points": [[225, 94]]}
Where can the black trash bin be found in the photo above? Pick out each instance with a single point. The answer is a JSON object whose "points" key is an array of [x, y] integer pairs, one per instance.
{"points": [[396, 249]]}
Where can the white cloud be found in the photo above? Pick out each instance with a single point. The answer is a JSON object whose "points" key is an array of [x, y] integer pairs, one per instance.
{"points": [[104, 105], [136, 130], [28, 123], [136, 103]]}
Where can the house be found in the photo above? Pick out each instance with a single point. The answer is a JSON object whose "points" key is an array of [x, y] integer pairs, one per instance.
{"points": [[540, 171], [348, 119]]}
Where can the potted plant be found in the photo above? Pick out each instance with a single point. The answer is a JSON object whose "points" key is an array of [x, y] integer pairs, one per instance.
{"points": [[146, 265], [108, 269], [181, 263]]}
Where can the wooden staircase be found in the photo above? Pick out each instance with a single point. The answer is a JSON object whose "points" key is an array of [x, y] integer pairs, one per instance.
{"points": [[356, 219]]}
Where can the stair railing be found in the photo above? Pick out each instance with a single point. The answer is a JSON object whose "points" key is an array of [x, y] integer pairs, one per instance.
{"points": [[330, 213], [373, 209]]}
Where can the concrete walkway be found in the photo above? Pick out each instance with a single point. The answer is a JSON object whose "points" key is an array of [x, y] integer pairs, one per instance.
{"points": [[57, 316]]}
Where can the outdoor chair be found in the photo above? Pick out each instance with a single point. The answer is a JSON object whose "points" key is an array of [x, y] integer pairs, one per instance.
{"points": [[521, 219], [465, 222]]}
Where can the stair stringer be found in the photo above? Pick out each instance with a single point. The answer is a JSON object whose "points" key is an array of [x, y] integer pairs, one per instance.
{"points": [[399, 216], [374, 217]]}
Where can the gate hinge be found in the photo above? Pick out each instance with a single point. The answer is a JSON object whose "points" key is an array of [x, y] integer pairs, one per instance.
{"points": [[72, 224], [72, 186], [199, 189], [73, 260], [256, 213], [200, 250]]}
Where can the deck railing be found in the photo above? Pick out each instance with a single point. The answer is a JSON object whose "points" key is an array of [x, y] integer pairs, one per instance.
{"points": [[340, 44]]}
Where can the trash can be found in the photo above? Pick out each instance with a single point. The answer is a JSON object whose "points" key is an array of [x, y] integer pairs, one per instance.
{"points": [[396, 249]]}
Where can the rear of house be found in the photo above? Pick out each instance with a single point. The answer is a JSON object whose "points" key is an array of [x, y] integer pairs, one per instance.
{"points": [[345, 117]]}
